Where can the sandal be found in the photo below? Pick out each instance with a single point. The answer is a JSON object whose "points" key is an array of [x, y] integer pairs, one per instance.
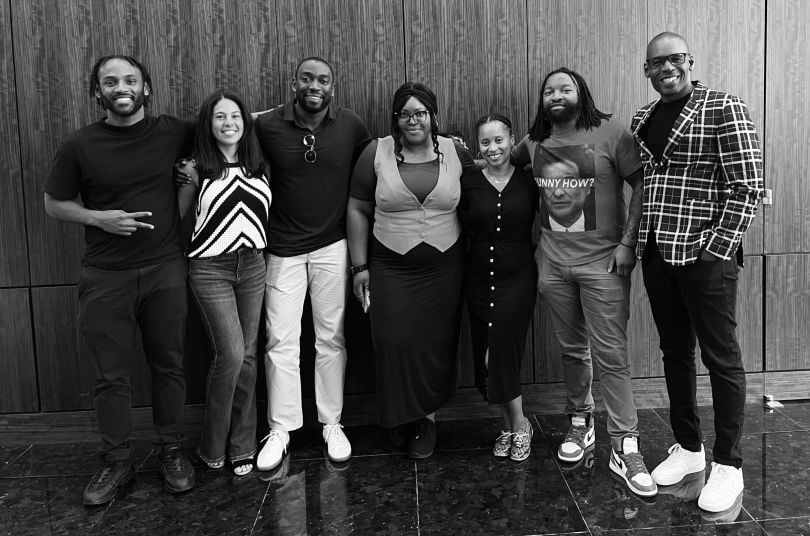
{"points": [[243, 467]]}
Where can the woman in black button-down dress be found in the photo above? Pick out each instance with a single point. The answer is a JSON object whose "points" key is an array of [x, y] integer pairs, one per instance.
{"points": [[497, 209]]}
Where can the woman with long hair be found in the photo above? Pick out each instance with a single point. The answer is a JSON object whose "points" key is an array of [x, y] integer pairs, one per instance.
{"points": [[410, 275], [227, 273]]}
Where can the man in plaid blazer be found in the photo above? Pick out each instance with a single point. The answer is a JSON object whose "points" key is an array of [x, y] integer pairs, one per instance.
{"points": [[702, 183]]}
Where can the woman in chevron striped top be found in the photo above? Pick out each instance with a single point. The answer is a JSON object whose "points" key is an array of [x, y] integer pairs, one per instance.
{"points": [[226, 273]]}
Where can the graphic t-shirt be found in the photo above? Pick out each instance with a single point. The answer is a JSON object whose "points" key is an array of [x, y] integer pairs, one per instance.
{"points": [[580, 180]]}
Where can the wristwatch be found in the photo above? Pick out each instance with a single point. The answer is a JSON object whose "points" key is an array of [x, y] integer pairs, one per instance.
{"points": [[354, 270]]}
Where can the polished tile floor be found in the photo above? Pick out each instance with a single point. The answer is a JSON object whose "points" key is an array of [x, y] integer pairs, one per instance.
{"points": [[461, 489]]}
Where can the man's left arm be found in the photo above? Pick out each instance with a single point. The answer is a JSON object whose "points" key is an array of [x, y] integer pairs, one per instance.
{"points": [[623, 259], [740, 159]]}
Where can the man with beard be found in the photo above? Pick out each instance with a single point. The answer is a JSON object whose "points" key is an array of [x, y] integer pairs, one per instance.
{"points": [[702, 183], [114, 177], [584, 275], [310, 145]]}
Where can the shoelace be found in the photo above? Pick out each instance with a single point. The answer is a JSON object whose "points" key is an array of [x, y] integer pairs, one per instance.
{"points": [[576, 434], [106, 473], [332, 429], [677, 454], [270, 435], [635, 463], [521, 439], [719, 475], [173, 460]]}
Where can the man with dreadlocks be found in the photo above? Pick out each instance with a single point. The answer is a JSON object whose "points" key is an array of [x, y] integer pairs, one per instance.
{"points": [[585, 256]]}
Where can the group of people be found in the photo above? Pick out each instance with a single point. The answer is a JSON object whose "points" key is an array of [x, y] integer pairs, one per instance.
{"points": [[415, 225]]}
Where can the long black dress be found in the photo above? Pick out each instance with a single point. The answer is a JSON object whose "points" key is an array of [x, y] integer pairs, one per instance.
{"points": [[500, 284]]}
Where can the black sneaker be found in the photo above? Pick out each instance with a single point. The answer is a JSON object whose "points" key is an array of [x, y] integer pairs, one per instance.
{"points": [[104, 485], [176, 469], [424, 439]]}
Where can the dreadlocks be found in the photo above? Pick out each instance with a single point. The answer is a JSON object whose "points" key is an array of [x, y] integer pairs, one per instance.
{"points": [[589, 116]]}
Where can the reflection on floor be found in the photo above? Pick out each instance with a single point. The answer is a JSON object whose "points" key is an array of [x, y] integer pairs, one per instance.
{"points": [[461, 489]]}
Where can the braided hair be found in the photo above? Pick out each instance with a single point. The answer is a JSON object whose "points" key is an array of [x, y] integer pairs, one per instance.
{"points": [[589, 116], [426, 97]]}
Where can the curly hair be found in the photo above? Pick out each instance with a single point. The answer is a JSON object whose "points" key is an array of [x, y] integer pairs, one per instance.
{"points": [[210, 162], [589, 116], [95, 83], [424, 95]]}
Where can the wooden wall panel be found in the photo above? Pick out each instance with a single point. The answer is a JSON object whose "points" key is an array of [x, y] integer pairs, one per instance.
{"points": [[472, 54], [14, 260], [787, 89], [727, 39], [787, 300], [57, 44], [18, 388], [66, 373], [225, 45], [603, 41], [643, 341], [362, 41]]}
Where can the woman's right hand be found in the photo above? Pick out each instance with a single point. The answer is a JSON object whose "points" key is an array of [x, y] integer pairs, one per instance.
{"points": [[360, 283]]}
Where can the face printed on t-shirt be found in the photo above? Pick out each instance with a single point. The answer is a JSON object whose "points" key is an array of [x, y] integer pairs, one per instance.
{"points": [[566, 182]]}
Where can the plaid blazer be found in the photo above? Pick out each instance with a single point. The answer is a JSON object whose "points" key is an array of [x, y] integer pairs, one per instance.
{"points": [[705, 189]]}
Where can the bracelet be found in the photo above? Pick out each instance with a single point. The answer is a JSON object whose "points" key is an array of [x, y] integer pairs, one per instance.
{"points": [[354, 270], [627, 246]]}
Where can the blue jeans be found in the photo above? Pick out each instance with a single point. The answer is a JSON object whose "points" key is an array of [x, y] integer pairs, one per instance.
{"points": [[589, 308], [229, 289], [115, 308]]}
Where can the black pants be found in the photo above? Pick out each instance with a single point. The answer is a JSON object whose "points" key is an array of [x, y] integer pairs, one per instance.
{"points": [[698, 300], [115, 306]]}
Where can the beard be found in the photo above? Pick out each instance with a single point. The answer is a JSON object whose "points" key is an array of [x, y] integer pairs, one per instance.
{"points": [[301, 99], [563, 115], [128, 110]]}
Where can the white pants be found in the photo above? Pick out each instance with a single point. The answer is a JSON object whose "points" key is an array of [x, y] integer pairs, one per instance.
{"points": [[325, 273]]}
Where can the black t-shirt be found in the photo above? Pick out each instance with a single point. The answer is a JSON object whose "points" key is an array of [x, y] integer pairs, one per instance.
{"points": [[130, 169], [655, 131]]}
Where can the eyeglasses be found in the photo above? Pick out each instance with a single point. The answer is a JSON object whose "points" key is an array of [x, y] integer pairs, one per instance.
{"points": [[420, 116], [309, 143], [675, 59]]}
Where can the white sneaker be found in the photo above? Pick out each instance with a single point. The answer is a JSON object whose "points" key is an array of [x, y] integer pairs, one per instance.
{"points": [[680, 463], [273, 451], [723, 488], [338, 447]]}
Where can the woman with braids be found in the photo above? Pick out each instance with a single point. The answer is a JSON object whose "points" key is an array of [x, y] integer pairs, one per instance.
{"points": [[409, 272], [227, 273], [497, 209]]}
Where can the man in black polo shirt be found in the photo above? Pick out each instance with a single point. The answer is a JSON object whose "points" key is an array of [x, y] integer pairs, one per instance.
{"points": [[114, 177], [310, 145]]}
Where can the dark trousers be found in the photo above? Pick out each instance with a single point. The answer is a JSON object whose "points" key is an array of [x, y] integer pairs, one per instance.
{"points": [[116, 306], [699, 300]]}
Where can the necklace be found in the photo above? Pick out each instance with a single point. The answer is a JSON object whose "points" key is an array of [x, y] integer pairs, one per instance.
{"points": [[493, 179]]}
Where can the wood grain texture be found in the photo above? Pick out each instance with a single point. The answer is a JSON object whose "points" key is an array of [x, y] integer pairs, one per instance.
{"points": [[643, 340], [727, 39], [787, 301], [472, 54], [602, 41], [787, 123], [18, 387], [362, 41], [56, 45], [65, 371], [14, 260]]}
